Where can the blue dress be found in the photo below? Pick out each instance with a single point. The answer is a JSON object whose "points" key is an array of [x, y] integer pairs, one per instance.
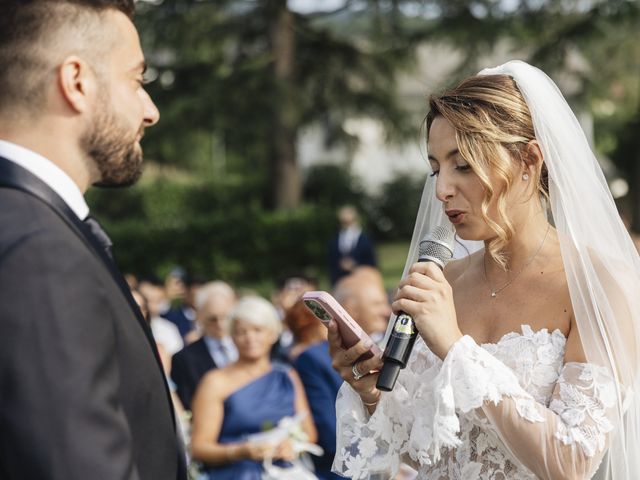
{"points": [[254, 408]]}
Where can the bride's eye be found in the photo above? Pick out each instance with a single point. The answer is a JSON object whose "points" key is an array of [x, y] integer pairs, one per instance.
{"points": [[434, 173], [463, 168]]}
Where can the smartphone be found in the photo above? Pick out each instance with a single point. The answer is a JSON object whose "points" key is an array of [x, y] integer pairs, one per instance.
{"points": [[325, 308]]}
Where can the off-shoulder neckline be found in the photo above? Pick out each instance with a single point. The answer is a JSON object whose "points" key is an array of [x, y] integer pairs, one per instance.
{"points": [[527, 332]]}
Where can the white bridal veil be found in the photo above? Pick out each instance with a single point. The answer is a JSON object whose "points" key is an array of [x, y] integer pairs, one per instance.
{"points": [[601, 263]]}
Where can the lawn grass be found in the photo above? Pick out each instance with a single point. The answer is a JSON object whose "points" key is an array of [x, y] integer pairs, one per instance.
{"points": [[391, 259]]}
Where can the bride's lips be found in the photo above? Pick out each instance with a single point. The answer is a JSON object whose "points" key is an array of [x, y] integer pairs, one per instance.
{"points": [[455, 216]]}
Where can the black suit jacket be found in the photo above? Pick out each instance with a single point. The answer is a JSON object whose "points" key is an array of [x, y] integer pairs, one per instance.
{"points": [[82, 392], [188, 366], [362, 253]]}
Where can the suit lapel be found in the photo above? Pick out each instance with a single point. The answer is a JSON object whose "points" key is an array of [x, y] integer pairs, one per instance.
{"points": [[205, 355], [15, 177]]}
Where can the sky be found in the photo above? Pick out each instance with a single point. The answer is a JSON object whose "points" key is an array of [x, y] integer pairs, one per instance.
{"points": [[304, 6]]}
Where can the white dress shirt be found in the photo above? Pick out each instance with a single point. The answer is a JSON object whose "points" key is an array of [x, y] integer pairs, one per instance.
{"points": [[222, 350], [348, 239], [49, 173], [167, 334]]}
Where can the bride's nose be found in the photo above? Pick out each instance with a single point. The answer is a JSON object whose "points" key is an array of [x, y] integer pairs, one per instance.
{"points": [[445, 188]]}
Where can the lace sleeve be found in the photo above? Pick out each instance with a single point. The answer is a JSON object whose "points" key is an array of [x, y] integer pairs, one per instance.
{"points": [[373, 446], [567, 439], [420, 419], [368, 445], [572, 439]]}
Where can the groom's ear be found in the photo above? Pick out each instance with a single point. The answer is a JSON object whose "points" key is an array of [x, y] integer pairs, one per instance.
{"points": [[76, 83]]}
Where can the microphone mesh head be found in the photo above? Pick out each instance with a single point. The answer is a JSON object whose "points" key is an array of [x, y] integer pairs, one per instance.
{"points": [[437, 245]]}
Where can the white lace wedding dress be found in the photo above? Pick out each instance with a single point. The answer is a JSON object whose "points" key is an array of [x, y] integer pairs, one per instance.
{"points": [[454, 419]]}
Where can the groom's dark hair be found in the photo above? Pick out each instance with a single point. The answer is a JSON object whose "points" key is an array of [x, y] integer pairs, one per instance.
{"points": [[30, 46]]}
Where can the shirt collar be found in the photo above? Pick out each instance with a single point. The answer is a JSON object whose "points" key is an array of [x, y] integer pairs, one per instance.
{"points": [[216, 342], [49, 173], [352, 230]]}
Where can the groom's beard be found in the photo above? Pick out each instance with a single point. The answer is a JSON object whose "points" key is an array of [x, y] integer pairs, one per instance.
{"points": [[114, 149]]}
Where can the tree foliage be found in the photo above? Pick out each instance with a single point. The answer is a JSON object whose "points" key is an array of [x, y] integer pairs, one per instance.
{"points": [[249, 75], [237, 80]]}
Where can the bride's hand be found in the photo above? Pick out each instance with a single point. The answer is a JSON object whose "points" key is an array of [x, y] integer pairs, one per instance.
{"points": [[426, 295], [343, 360]]}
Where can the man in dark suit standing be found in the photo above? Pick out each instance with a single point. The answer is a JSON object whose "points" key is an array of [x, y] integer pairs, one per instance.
{"points": [[351, 247], [83, 394]]}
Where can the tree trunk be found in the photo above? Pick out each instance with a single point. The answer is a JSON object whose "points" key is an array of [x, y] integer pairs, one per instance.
{"points": [[286, 181]]}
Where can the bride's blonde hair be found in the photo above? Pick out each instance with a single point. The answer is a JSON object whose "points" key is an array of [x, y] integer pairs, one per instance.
{"points": [[493, 129]]}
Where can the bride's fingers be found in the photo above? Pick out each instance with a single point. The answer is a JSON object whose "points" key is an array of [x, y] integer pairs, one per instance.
{"points": [[428, 269], [405, 305], [334, 337], [412, 293], [370, 365], [346, 358], [418, 279]]}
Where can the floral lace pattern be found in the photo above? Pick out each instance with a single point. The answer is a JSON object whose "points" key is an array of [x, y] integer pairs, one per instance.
{"points": [[434, 419], [582, 404]]}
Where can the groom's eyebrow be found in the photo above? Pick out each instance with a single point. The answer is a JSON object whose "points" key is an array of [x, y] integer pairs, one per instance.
{"points": [[450, 154]]}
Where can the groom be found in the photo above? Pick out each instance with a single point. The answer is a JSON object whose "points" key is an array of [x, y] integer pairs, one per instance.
{"points": [[82, 393]]}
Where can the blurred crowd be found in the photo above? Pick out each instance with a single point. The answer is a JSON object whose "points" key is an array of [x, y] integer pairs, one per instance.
{"points": [[238, 363], [201, 327]]}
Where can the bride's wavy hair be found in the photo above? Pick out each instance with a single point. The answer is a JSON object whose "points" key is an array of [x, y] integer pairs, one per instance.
{"points": [[493, 129]]}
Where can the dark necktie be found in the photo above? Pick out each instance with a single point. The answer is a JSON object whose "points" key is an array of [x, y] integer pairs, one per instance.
{"points": [[100, 235]]}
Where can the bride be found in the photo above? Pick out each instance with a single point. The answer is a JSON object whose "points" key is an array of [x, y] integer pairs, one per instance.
{"points": [[525, 365]]}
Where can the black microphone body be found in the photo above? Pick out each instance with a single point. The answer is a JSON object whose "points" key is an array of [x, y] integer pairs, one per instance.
{"points": [[436, 247]]}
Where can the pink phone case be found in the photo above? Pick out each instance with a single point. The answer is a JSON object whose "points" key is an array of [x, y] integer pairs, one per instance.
{"points": [[325, 308]]}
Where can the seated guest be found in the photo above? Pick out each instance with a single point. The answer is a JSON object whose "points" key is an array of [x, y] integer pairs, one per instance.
{"points": [[305, 328], [289, 290], [246, 397], [164, 332], [181, 291], [363, 296], [311, 359], [214, 349]]}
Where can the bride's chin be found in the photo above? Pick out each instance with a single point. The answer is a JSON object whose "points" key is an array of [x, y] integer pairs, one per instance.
{"points": [[470, 234]]}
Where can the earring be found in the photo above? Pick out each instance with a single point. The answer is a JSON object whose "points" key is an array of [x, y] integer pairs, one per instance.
{"points": [[525, 176]]}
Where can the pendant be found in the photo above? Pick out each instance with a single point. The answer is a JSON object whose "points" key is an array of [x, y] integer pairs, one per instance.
{"points": [[493, 294]]}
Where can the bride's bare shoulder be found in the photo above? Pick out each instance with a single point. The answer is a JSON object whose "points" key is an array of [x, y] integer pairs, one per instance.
{"points": [[455, 268]]}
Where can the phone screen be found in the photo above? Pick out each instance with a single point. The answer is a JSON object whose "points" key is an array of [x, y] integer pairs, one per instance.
{"points": [[317, 310]]}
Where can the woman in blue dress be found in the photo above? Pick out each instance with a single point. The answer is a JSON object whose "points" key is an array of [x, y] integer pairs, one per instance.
{"points": [[247, 397]]}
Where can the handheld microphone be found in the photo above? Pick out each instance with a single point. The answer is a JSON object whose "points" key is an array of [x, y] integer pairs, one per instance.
{"points": [[436, 247]]}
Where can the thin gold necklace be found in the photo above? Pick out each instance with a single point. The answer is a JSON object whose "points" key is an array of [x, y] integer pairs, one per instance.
{"points": [[494, 293]]}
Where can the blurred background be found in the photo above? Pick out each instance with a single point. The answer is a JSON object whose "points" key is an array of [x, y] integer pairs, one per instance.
{"points": [[276, 112]]}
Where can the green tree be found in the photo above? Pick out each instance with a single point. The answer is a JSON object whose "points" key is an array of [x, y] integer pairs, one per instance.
{"points": [[595, 44], [249, 75]]}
